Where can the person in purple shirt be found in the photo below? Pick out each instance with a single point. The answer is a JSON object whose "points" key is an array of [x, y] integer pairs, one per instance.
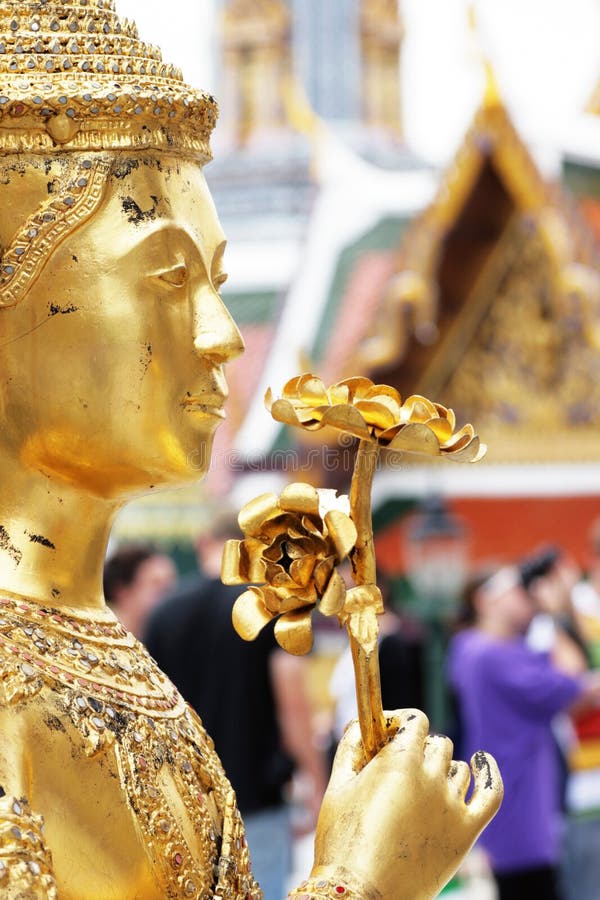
{"points": [[507, 696]]}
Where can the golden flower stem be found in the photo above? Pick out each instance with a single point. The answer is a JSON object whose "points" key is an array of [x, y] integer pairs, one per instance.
{"points": [[364, 651]]}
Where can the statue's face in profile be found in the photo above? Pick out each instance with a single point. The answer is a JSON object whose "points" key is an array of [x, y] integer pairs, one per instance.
{"points": [[113, 361]]}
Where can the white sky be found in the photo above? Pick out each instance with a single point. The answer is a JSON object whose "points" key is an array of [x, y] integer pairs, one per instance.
{"points": [[546, 54]]}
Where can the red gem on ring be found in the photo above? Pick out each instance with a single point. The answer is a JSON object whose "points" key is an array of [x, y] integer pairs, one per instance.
{"points": [[340, 890]]}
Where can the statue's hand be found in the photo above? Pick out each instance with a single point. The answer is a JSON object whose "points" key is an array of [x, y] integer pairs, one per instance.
{"points": [[399, 827]]}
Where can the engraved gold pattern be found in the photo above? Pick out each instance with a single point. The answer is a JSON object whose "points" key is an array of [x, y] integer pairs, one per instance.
{"points": [[323, 889], [25, 863], [119, 701], [77, 198], [75, 76]]}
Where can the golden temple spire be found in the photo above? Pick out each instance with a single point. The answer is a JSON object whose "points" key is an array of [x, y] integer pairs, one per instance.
{"points": [[257, 62], [381, 34], [491, 95]]}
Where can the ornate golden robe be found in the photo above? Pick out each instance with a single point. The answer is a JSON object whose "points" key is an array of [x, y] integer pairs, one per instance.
{"points": [[110, 786]]}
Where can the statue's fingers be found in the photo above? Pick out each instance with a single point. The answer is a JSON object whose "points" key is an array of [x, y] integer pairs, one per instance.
{"points": [[412, 728], [437, 753], [488, 790], [459, 774], [349, 756]]}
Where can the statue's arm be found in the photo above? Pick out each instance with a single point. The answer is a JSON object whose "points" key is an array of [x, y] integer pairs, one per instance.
{"points": [[25, 861], [398, 827]]}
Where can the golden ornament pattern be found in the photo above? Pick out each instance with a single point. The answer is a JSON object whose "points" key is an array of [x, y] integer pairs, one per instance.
{"points": [[78, 196], [324, 889], [76, 76], [25, 863], [105, 683]]}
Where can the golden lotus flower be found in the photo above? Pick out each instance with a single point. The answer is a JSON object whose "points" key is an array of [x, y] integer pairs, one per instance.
{"points": [[375, 412], [291, 548]]}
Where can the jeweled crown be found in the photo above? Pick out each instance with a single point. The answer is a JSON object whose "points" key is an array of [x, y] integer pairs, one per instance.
{"points": [[75, 76]]}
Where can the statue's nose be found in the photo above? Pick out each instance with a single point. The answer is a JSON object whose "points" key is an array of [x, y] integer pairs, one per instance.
{"points": [[215, 333]]}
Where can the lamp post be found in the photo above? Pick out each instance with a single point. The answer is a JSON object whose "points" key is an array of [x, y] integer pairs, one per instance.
{"points": [[436, 553]]}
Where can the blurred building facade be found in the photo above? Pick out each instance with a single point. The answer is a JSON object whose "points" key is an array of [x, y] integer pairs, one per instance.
{"points": [[478, 286]]}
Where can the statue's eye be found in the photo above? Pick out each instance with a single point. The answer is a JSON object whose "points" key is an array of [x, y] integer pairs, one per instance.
{"points": [[176, 276]]}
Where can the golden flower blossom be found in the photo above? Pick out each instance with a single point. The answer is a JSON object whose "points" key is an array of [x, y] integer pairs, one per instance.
{"points": [[291, 548], [375, 412]]}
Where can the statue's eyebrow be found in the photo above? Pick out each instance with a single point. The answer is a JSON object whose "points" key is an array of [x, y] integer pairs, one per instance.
{"points": [[172, 237]]}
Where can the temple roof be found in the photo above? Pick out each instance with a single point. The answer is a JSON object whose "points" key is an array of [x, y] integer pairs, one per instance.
{"points": [[494, 302]]}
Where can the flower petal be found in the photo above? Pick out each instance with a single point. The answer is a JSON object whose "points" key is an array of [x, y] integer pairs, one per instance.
{"points": [[252, 564], [300, 498], [291, 601], [298, 547], [460, 439], [348, 419], [441, 428], [381, 413], [313, 526], [384, 390], [448, 414], [254, 513], [277, 577], [249, 614], [230, 564], [418, 409], [293, 632], [342, 532], [301, 570], [358, 386], [322, 573], [310, 391], [473, 451], [283, 411], [338, 393], [280, 527], [334, 596], [416, 438]]}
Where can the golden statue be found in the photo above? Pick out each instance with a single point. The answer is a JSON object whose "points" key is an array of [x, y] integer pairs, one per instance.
{"points": [[112, 350]]}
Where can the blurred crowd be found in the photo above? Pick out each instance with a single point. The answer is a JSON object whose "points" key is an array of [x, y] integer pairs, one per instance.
{"points": [[522, 680]]}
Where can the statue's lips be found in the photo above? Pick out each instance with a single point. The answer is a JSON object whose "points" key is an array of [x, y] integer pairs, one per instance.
{"points": [[208, 405]]}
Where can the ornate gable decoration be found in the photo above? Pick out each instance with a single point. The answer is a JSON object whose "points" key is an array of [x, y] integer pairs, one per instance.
{"points": [[517, 344], [409, 307]]}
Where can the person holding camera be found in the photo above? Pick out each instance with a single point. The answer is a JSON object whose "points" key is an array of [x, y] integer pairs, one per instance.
{"points": [[508, 693]]}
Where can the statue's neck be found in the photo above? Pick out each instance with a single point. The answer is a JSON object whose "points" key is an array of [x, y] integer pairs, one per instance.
{"points": [[53, 539]]}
